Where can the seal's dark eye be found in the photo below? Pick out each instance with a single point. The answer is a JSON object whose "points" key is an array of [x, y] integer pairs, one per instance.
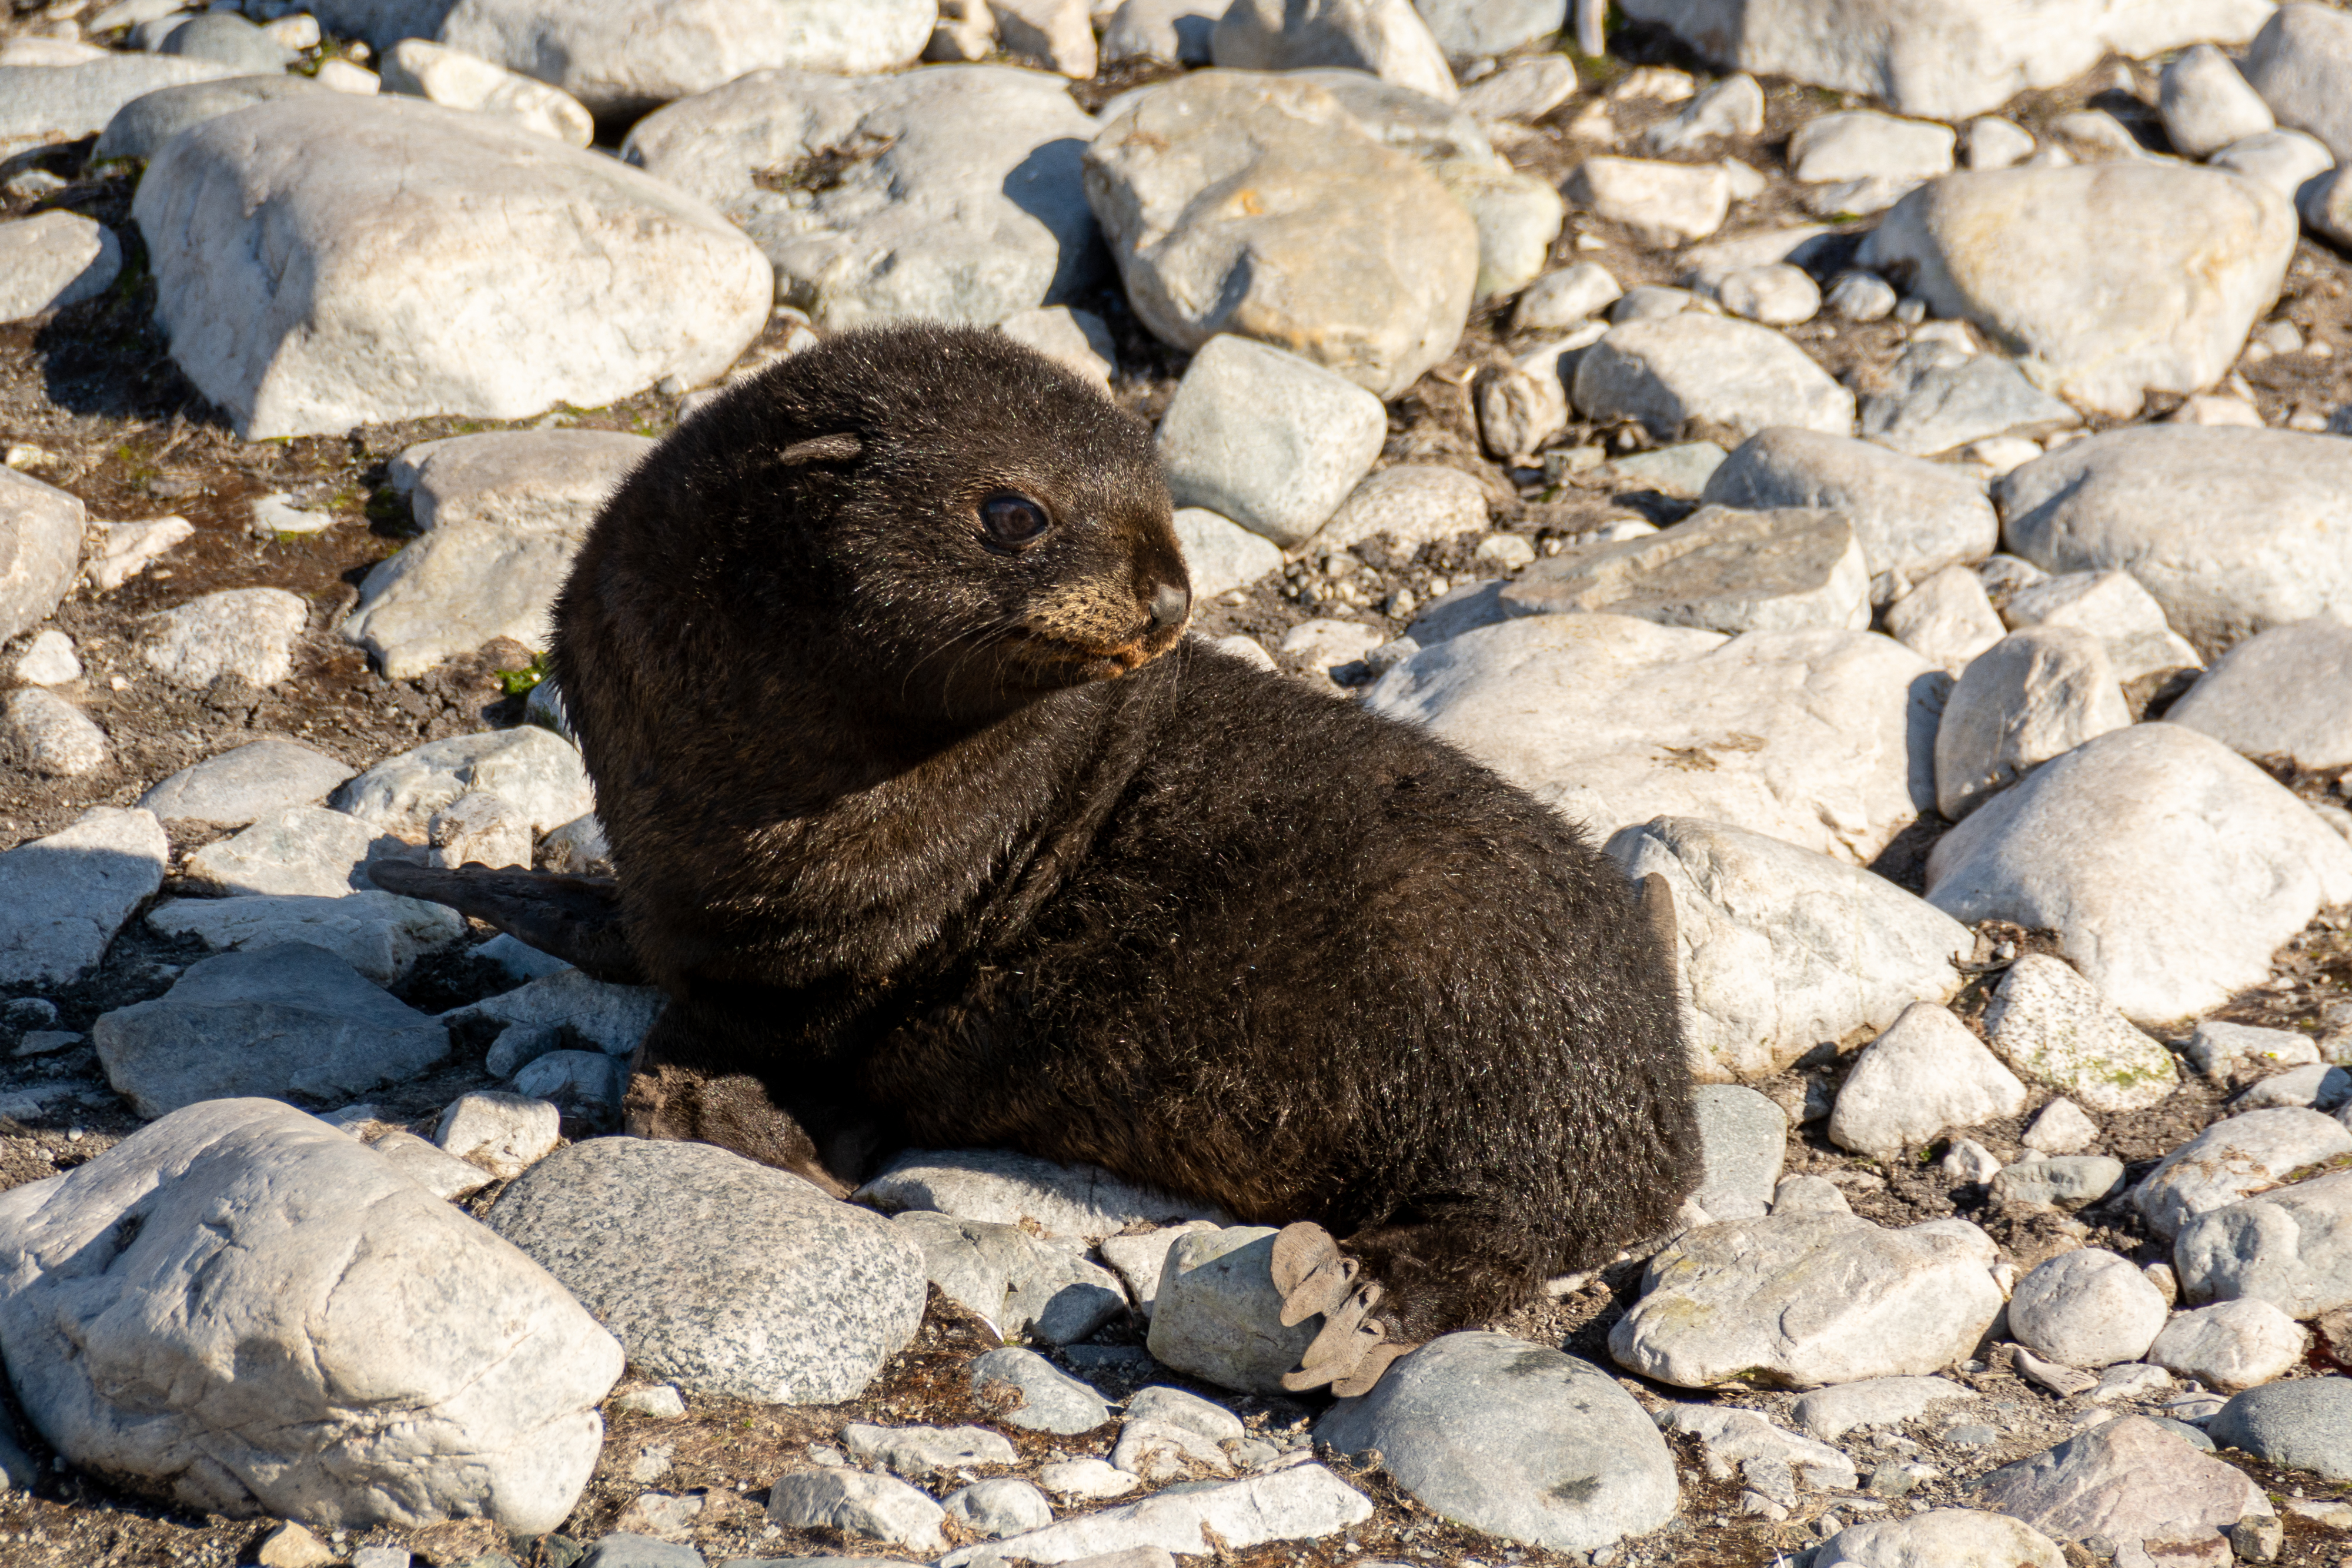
{"points": [[1012, 519]]}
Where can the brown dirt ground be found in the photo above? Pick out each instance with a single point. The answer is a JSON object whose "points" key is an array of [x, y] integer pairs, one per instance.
{"points": [[93, 389]]}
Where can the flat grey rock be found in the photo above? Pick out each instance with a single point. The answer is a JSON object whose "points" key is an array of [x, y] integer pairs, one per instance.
{"points": [[857, 1503], [40, 548], [227, 39], [1719, 569], [295, 850], [2278, 693], [2113, 606], [62, 104], [719, 1275], [377, 933], [1080, 1203], [1004, 1506], [2207, 105], [1301, 1502], [45, 734], [627, 1549], [63, 897], [1516, 1439], [619, 61], [970, 208], [917, 1451], [1914, 517], [1694, 367], [1830, 1413], [2062, 1181], [1805, 1300], [502, 516], [285, 1020], [2109, 843], [1819, 739], [1038, 1396], [604, 280], [1743, 1139], [1941, 399], [1353, 256], [2303, 1424], [238, 786], [1220, 555], [194, 1233], [140, 127], [2084, 268]]}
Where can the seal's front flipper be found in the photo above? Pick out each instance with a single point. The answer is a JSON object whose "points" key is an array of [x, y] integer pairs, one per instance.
{"points": [[575, 918]]}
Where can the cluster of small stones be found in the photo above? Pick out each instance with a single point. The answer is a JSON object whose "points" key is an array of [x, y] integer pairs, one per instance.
{"points": [[1915, 522]]}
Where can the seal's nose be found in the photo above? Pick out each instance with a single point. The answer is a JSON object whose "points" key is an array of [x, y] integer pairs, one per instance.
{"points": [[1169, 606]]}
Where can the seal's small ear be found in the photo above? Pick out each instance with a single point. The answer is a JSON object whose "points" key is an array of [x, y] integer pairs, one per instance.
{"points": [[821, 449]]}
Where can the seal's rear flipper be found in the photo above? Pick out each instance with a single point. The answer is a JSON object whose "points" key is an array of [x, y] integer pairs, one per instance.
{"points": [[575, 918]]}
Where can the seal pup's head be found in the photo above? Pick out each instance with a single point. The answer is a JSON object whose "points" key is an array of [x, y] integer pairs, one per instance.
{"points": [[946, 522]]}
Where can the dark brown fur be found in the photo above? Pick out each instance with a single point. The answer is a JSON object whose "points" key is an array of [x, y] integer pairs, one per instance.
{"points": [[913, 877]]}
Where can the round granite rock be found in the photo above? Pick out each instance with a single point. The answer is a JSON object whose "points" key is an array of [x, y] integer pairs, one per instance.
{"points": [[720, 1275], [2305, 1423]]}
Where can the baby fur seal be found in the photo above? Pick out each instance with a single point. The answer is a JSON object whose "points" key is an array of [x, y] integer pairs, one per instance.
{"points": [[937, 835]]}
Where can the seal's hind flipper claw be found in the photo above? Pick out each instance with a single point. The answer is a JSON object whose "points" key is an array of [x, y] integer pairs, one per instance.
{"points": [[1369, 1371], [1321, 1291]]}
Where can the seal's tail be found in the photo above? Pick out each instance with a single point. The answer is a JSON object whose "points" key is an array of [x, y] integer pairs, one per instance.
{"points": [[575, 918]]}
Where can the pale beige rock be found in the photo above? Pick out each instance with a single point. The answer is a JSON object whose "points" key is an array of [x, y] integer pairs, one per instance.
{"points": [[1415, 503], [1386, 37], [52, 260], [456, 79], [1313, 237], [50, 736], [1947, 619], [129, 549], [1054, 31], [1664, 205], [40, 547], [2032, 695], [2280, 694], [2124, 278]]}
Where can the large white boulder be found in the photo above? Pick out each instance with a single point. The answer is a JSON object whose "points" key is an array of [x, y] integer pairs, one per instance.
{"points": [[2122, 277], [322, 263], [2231, 530], [2111, 843], [1783, 949], [1946, 60], [961, 202], [252, 1312], [1256, 205], [502, 516], [617, 55], [1823, 739]]}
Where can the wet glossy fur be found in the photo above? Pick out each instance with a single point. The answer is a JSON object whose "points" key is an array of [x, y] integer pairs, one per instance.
{"points": [[913, 878]]}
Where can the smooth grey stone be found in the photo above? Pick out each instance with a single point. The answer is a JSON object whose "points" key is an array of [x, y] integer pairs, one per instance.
{"points": [[241, 786], [1429, 128], [2185, 1432], [1942, 399], [720, 1275], [2064, 1181], [2303, 1423], [41, 529], [63, 897], [1516, 1439], [270, 1021], [1023, 1286], [1000, 1506], [1045, 1397], [226, 38], [623, 1550], [1743, 1139]]}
